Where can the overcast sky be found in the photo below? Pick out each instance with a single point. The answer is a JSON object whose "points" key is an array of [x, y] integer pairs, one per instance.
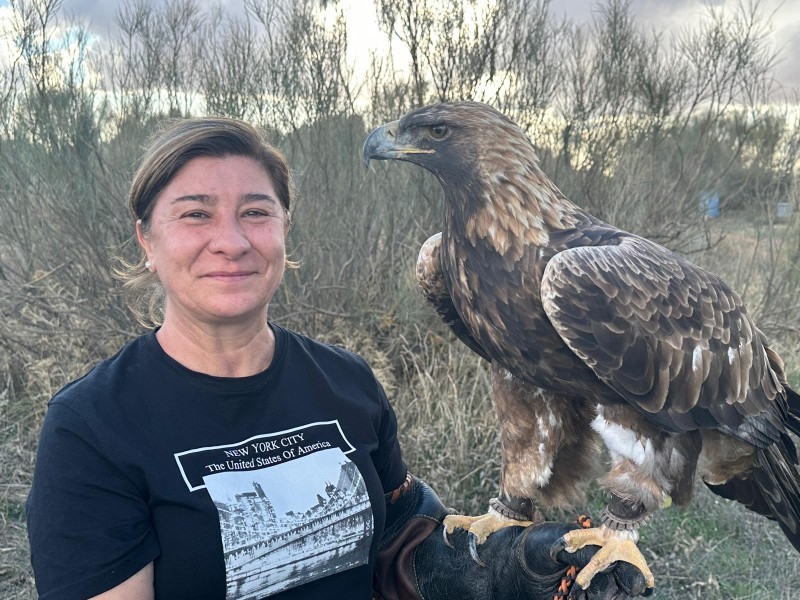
{"points": [[658, 14]]}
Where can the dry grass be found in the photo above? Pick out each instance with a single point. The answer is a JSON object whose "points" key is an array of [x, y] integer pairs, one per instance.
{"points": [[716, 549], [17, 447], [448, 425], [46, 339]]}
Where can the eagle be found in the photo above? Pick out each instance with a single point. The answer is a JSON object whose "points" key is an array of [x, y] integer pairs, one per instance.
{"points": [[590, 329]]}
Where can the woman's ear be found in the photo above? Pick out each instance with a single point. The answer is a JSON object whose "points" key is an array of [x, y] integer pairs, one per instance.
{"points": [[145, 245], [140, 235]]}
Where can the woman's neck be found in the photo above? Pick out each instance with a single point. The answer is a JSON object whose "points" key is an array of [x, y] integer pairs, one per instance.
{"points": [[220, 350]]}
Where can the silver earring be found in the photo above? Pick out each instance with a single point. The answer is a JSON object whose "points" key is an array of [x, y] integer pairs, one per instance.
{"points": [[148, 265]]}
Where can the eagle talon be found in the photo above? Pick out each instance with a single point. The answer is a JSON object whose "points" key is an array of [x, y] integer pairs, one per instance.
{"points": [[444, 536], [473, 550], [557, 547]]}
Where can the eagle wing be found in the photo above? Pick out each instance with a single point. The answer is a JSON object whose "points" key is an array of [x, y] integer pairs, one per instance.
{"points": [[669, 337], [431, 281]]}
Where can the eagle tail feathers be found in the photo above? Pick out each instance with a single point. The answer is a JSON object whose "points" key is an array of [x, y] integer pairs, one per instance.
{"points": [[778, 478], [746, 492], [771, 488]]}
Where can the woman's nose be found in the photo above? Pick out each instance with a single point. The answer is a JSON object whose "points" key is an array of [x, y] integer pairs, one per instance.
{"points": [[229, 238]]}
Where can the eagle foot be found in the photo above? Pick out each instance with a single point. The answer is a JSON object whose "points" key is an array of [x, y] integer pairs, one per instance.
{"points": [[481, 527], [615, 545]]}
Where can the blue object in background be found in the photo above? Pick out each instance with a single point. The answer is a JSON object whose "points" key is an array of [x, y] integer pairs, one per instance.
{"points": [[709, 204]]}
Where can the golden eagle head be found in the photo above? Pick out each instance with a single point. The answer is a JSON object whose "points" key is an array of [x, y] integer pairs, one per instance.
{"points": [[488, 168], [461, 143]]}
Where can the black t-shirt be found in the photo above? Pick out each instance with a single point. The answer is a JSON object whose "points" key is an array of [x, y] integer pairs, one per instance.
{"points": [[263, 486]]}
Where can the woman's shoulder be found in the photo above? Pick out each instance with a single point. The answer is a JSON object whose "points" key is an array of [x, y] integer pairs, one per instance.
{"points": [[114, 372]]}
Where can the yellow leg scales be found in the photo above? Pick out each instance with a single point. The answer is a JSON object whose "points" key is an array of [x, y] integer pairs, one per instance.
{"points": [[481, 526], [616, 545]]}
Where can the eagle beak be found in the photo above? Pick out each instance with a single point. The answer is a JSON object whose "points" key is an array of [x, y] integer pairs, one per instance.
{"points": [[382, 144]]}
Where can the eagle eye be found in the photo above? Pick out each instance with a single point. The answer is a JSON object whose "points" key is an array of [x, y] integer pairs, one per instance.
{"points": [[439, 132]]}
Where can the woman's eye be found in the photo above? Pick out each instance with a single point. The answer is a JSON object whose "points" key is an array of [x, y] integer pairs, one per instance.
{"points": [[255, 213], [195, 214], [438, 132]]}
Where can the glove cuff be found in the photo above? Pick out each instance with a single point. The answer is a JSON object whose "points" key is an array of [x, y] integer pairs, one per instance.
{"points": [[411, 516]]}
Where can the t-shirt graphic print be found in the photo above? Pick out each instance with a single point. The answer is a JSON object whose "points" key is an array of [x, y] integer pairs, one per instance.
{"points": [[292, 507]]}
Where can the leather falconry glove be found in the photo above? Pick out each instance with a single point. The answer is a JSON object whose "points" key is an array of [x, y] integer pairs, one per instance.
{"points": [[415, 563]]}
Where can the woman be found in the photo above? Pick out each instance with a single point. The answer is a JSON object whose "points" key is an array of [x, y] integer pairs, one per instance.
{"points": [[222, 455]]}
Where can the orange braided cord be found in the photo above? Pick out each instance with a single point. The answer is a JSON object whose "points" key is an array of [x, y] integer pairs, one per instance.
{"points": [[572, 572]]}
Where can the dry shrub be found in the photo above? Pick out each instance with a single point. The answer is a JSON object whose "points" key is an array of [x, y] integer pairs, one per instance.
{"points": [[448, 423]]}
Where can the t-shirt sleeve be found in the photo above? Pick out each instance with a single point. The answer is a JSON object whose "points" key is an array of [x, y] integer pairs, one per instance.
{"points": [[388, 459], [88, 523]]}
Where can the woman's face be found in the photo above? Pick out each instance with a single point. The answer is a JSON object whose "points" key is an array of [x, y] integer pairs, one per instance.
{"points": [[217, 241]]}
